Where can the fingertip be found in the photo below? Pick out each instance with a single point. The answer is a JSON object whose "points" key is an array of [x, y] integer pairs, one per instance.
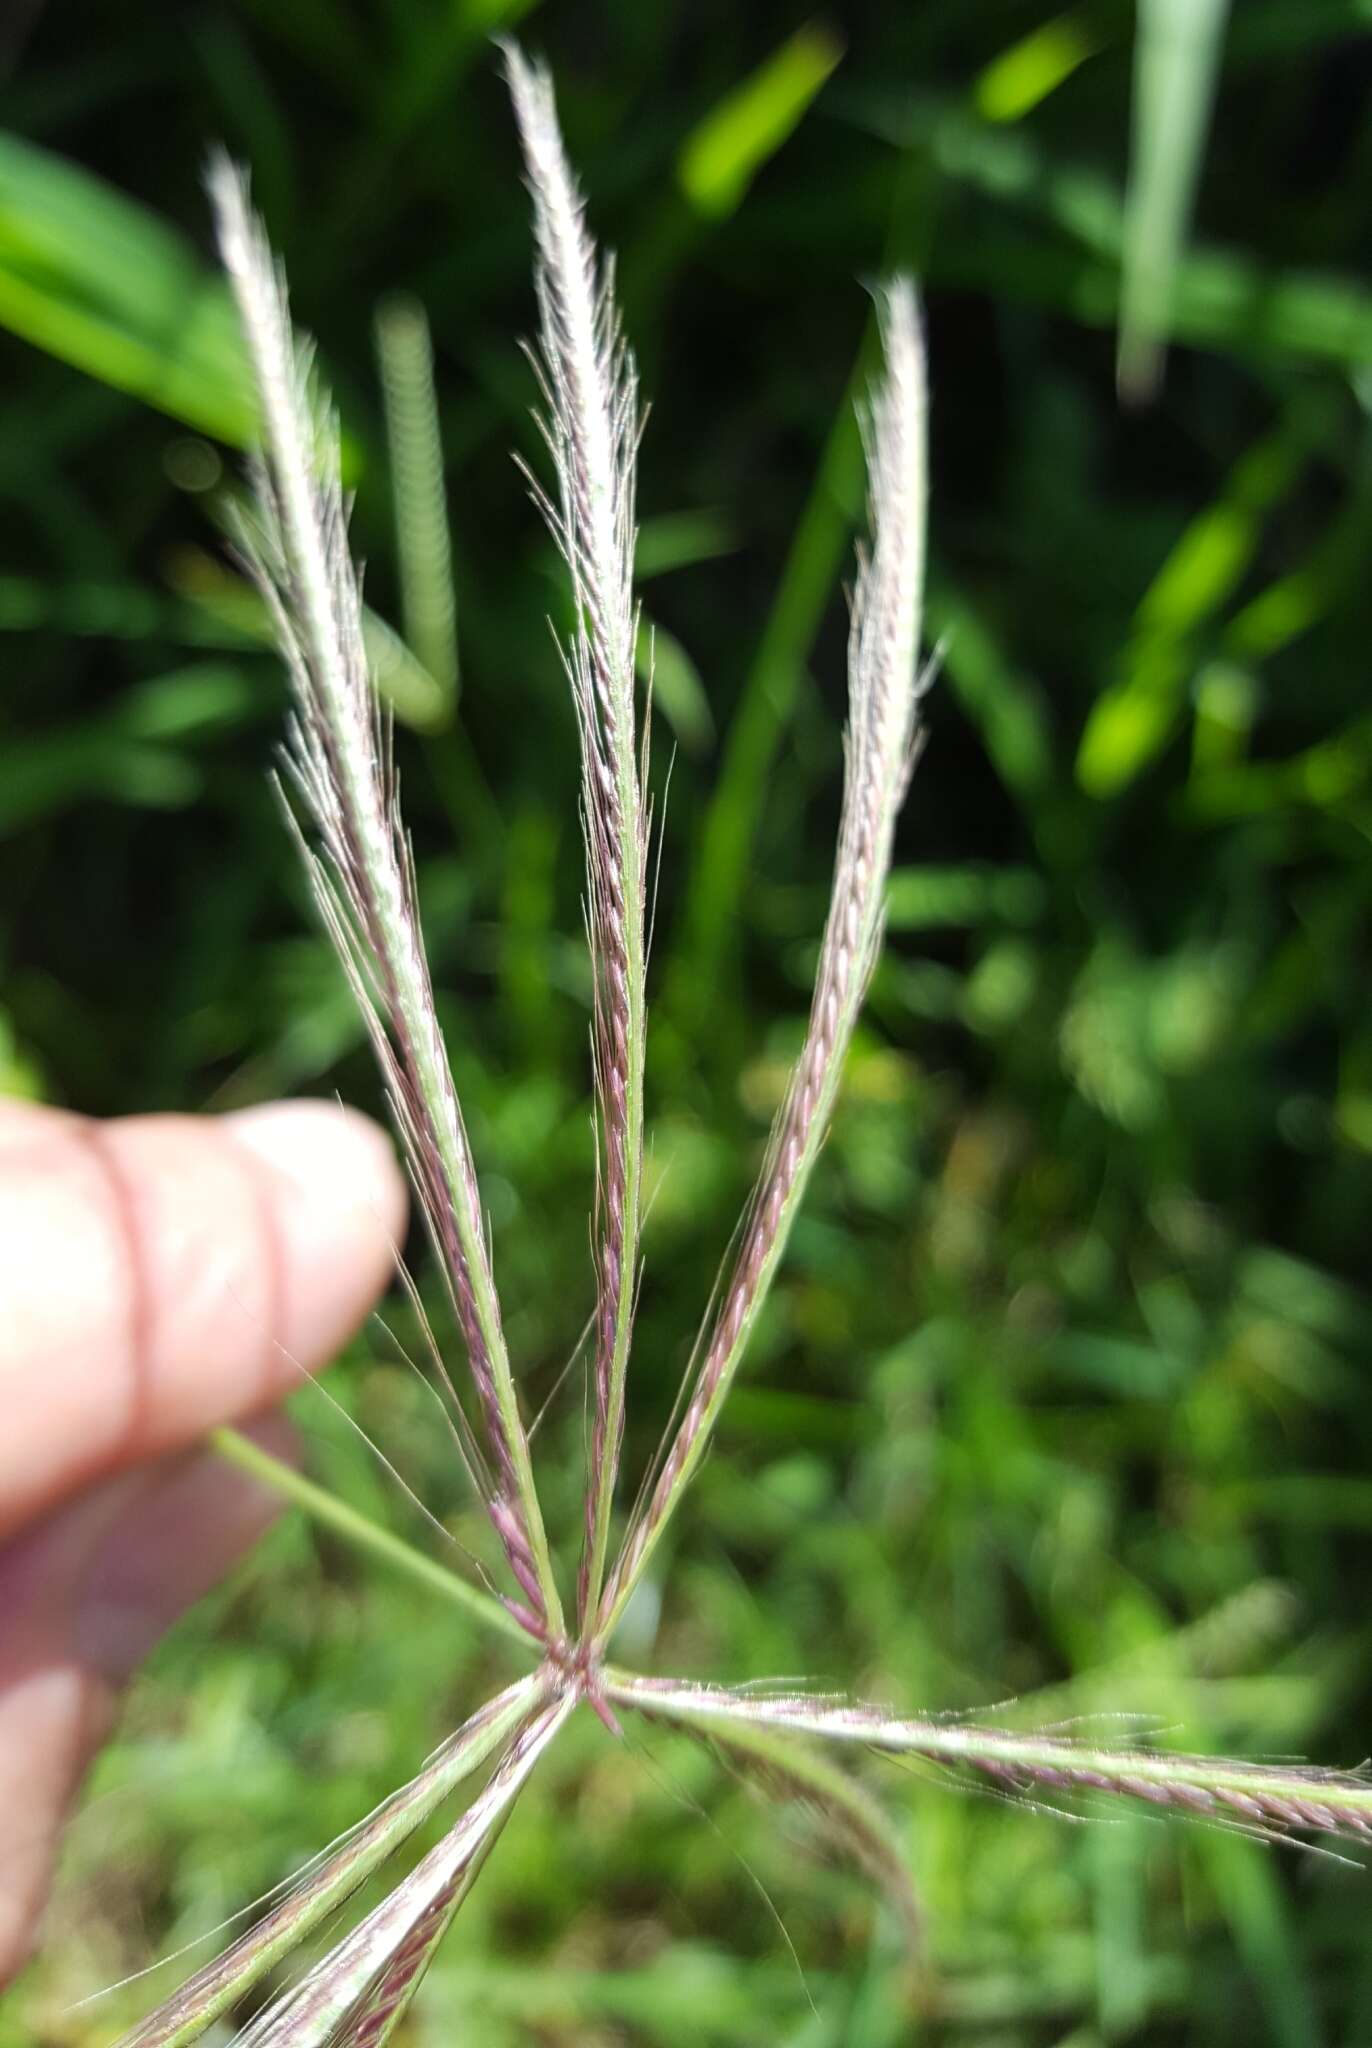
{"points": [[337, 1201]]}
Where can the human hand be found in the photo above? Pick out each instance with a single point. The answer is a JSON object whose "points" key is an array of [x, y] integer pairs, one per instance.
{"points": [[158, 1275]]}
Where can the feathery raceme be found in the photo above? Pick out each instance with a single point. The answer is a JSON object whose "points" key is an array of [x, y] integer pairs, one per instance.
{"points": [[591, 425], [885, 685], [340, 764], [1271, 1800]]}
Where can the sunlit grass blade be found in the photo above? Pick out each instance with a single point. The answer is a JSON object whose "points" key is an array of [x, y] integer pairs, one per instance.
{"points": [[207, 1994], [1177, 52], [884, 691], [354, 1990], [428, 603], [1035, 65], [724, 152], [1270, 1800], [1133, 718], [591, 425], [104, 284], [341, 766]]}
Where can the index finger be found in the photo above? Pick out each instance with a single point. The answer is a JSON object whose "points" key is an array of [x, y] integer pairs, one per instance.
{"points": [[162, 1274]]}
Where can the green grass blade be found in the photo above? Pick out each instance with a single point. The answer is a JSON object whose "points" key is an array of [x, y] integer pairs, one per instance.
{"points": [[1023, 75], [1258, 1908], [428, 604], [1223, 298], [96, 280], [677, 690], [724, 152], [881, 744], [1131, 721], [1177, 50], [767, 701]]}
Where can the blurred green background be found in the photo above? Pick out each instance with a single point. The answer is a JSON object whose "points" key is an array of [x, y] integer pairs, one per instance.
{"points": [[1064, 1395]]}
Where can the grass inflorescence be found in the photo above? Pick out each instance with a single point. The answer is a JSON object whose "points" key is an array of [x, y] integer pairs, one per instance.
{"points": [[341, 785]]}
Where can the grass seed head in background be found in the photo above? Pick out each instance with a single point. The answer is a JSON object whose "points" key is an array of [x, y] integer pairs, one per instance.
{"points": [[340, 768]]}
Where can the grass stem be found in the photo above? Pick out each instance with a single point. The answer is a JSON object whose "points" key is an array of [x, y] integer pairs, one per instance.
{"points": [[364, 1534]]}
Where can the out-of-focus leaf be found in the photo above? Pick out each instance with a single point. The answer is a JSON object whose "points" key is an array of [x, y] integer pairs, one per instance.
{"points": [[927, 898], [1176, 70], [769, 691], [1259, 1913], [20, 1074], [205, 698], [1226, 703], [403, 680], [231, 604], [724, 152], [95, 279], [127, 756], [674, 540], [103, 284], [677, 689], [1222, 298], [1014, 83], [1281, 28], [423, 543], [113, 611], [1130, 722], [44, 776], [1006, 707]]}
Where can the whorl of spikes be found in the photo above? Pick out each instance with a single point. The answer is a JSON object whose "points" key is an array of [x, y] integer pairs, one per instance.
{"points": [[340, 764]]}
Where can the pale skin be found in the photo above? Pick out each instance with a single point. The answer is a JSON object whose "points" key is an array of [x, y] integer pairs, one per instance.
{"points": [[160, 1276]]}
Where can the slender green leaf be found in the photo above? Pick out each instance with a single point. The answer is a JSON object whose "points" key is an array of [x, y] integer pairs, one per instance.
{"points": [[677, 689], [1176, 71], [1016, 81], [724, 153], [94, 278], [1132, 719], [413, 444]]}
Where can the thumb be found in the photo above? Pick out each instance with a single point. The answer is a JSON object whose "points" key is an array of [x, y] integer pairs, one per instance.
{"points": [[83, 1597]]}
